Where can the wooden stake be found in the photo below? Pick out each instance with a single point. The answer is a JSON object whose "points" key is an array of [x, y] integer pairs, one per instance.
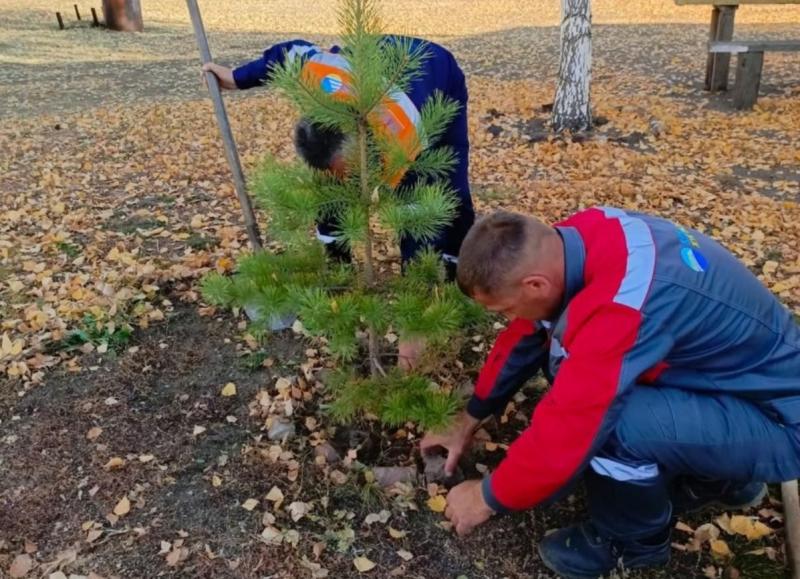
{"points": [[791, 517], [77, 12], [95, 21], [748, 79], [225, 129], [60, 20], [717, 65]]}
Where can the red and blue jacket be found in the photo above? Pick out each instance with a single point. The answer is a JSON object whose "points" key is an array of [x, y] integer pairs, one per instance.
{"points": [[648, 303]]}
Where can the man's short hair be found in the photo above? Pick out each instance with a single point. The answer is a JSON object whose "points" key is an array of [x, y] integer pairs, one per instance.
{"points": [[492, 249], [317, 145]]}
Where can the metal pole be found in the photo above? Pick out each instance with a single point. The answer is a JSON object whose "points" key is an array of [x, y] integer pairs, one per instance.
{"points": [[791, 522], [225, 129], [77, 13], [95, 21], [60, 20]]}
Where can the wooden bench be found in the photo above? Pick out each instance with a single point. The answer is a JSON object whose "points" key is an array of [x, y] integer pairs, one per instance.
{"points": [[750, 61], [722, 18]]}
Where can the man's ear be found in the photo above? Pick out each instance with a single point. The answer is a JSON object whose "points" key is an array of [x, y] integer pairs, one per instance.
{"points": [[536, 284]]}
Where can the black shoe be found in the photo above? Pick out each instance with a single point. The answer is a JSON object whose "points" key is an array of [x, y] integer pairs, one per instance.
{"points": [[579, 552]]}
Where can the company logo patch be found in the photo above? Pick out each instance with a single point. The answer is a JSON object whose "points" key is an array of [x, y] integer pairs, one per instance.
{"points": [[690, 253], [331, 83], [694, 259]]}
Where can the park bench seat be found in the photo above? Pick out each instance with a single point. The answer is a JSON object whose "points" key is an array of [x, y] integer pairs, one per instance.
{"points": [[750, 62]]}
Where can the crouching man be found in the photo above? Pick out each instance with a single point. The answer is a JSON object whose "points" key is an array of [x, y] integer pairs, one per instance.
{"points": [[675, 381]]}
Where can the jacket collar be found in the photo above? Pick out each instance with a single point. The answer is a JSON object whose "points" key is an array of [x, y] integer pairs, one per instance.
{"points": [[574, 260]]}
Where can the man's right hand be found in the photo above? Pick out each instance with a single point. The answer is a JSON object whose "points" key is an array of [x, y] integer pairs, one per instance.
{"points": [[455, 440], [223, 74]]}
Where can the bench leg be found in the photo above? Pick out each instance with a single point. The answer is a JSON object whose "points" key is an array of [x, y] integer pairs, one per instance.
{"points": [[717, 65], [748, 77]]}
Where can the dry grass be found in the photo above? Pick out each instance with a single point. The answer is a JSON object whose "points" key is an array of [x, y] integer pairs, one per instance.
{"points": [[29, 34]]}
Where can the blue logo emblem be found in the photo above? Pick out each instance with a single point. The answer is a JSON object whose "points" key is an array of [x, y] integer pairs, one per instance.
{"points": [[694, 259], [684, 238], [331, 83]]}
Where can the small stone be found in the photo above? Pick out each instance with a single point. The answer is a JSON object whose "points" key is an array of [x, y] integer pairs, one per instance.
{"points": [[657, 127], [281, 430], [326, 451], [434, 471], [386, 476]]}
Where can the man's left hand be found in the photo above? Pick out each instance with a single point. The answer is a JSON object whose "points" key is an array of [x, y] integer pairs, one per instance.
{"points": [[466, 508]]}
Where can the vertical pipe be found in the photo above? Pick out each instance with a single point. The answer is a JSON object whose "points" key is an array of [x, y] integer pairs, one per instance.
{"points": [[60, 20], [225, 129], [77, 12], [95, 21]]}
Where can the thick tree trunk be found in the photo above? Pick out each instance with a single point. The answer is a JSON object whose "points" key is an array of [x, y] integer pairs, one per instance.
{"points": [[572, 106], [125, 15]]}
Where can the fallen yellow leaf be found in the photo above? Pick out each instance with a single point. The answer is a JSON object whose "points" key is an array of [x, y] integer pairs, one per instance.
{"points": [[437, 504], [363, 564], [229, 389], [123, 507], [749, 527], [114, 462], [720, 548]]}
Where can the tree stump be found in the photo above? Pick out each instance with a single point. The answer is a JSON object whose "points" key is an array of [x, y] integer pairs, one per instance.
{"points": [[124, 15]]}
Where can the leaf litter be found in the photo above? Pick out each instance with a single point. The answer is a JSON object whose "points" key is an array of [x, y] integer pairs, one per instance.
{"points": [[99, 240]]}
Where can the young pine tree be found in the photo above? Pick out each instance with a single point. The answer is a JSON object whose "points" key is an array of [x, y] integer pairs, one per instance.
{"points": [[350, 306]]}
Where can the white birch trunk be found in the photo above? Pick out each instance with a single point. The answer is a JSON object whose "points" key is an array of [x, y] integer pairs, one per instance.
{"points": [[572, 105]]}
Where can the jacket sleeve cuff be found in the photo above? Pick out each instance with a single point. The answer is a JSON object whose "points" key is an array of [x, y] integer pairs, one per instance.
{"points": [[490, 499], [250, 75], [481, 409]]}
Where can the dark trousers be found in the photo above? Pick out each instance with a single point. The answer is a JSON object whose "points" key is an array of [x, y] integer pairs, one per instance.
{"points": [[663, 433]]}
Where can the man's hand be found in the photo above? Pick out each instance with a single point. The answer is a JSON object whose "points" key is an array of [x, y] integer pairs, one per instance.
{"points": [[455, 440], [223, 74], [466, 508], [409, 353]]}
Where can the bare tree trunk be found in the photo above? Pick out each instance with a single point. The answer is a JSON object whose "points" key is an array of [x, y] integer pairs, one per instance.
{"points": [[125, 15], [369, 268], [572, 106]]}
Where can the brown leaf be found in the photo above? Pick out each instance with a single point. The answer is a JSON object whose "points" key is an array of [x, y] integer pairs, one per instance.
{"points": [[94, 432], [20, 566], [114, 462], [123, 507], [176, 556]]}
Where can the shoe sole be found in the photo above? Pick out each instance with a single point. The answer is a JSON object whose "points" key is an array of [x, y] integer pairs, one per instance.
{"points": [[550, 566]]}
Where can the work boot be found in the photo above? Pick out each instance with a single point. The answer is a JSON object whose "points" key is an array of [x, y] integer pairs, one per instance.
{"points": [[690, 495], [579, 552]]}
